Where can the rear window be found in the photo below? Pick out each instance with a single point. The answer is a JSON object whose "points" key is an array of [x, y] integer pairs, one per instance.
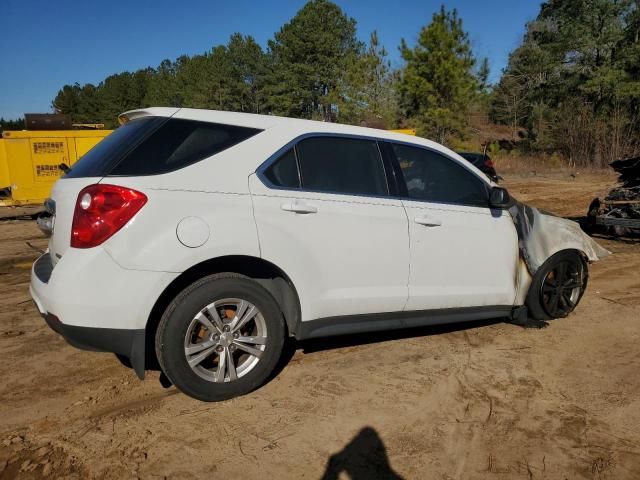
{"points": [[153, 145], [98, 161]]}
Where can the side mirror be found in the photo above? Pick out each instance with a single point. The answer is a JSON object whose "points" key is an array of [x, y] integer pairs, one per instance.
{"points": [[499, 198]]}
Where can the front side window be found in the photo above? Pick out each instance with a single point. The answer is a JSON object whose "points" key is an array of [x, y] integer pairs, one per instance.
{"points": [[341, 165], [432, 177]]}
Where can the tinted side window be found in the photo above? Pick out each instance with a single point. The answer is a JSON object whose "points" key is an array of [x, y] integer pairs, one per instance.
{"points": [[284, 171], [432, 177], [341, 165], [178, 143], [98, 161]]}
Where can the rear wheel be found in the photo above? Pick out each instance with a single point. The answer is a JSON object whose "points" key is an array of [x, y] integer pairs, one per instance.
{"points": [[557, 286], [220, 338]]}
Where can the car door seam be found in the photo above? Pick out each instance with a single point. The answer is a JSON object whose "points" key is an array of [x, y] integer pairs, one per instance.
{"points": [[409, 254], [253, 215]]}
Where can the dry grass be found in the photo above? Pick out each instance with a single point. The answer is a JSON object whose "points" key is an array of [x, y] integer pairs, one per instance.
{"points": [[519, 164]]}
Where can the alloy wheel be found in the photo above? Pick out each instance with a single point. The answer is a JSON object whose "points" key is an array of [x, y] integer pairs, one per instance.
{"points": [[225, 340], [562, 287]]}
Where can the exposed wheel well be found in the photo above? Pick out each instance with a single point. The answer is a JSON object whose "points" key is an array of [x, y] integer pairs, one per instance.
{"points": [[581, 254], [266, 273]]}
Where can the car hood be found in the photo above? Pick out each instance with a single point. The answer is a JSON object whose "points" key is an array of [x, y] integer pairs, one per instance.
{"points": [[542, 234]]}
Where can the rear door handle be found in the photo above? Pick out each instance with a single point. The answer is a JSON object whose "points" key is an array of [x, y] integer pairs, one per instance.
{"points": [[428, 221], [299, 207]]}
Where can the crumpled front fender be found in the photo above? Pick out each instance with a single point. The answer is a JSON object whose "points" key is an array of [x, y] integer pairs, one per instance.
{"points": [[541, 235]]}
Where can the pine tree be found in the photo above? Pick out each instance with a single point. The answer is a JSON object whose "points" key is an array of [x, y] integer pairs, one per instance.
{"points": [[248, 70], [438, 82], [309, 56], [366, 94], [578, 76]]}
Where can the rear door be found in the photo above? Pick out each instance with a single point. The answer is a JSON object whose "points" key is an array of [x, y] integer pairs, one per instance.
{"points": [[324, 215], [463, 254]]}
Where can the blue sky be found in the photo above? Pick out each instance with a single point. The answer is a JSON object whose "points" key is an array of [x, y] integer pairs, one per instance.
{"points": [[48, 44]]}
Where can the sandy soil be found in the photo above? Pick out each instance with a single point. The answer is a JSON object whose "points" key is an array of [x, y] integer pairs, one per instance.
{"points": [[487, 400]]}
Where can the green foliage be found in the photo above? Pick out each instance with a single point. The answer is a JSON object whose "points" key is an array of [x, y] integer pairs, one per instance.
{"points": [[572, 86], [438, 83], [248, 68], [309, 56], [230, 77], [483, 75], [162, 89], [574, 83], [366, 94], [6, 124], [314, 68]]}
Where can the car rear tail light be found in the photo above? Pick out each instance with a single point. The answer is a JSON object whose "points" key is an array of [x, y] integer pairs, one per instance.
{"points": [[102, 210], [488, 163]]}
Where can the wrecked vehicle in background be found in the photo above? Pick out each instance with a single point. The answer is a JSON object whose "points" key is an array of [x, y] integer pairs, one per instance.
{"points": [[619, 213], [483, 163]]}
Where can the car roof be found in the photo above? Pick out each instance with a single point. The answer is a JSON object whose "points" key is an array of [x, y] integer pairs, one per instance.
{"points": [[266, 122], [249, 155]]}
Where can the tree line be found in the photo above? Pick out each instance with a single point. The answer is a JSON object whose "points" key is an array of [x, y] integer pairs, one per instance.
{"points": [[572, 86], [314, 67]]}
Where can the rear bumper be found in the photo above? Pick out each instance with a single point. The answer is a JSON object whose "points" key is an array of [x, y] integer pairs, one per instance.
{"points": [[95, 304], [130, 343]]}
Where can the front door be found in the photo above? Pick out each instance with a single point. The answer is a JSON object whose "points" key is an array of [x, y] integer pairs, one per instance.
{"points": [[463, 254]]}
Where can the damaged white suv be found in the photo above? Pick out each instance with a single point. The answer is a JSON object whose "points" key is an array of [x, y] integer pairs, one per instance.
{"points": [[202, 239]]}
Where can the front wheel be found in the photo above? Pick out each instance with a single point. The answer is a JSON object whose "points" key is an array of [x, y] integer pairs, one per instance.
{"points": [[220, 338], [557, 286]]}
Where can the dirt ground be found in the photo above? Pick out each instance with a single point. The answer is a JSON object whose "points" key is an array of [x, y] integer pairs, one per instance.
{"points": [[484, 400]]}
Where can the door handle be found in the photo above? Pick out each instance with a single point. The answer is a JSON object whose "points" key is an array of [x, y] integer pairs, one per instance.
{"points": [[298, 207], [428, 221]]}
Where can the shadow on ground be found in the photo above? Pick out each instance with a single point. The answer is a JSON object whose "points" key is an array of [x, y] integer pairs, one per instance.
{"points": [[363, 458], [367, 338], [350, 340]]}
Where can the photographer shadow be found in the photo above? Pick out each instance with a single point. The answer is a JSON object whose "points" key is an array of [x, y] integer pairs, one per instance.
{"points": [[363, 458]]}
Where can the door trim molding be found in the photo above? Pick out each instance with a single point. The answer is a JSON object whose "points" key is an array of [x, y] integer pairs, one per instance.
{"points": [[342, 325]]}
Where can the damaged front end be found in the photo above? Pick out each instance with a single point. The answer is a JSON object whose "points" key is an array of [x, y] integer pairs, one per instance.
{"points": [[540, 236]]}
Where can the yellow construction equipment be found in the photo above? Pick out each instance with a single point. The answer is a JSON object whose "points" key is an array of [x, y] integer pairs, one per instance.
{"points": [[406, 131], [30, 161]]}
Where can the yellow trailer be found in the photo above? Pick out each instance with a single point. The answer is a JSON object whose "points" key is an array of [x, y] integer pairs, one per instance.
{"points": [[30, 159], [406, 131]]}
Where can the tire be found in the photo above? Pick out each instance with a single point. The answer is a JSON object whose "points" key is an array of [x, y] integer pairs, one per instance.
{"points": [[225, 363], [544, 290]]}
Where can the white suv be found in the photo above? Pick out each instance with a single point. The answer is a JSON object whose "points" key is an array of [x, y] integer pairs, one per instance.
{"points": [[203, 239]]}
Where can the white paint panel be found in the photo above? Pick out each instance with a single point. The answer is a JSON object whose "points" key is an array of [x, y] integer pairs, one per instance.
{"points": [[351, 257], [88, 289], [469, 260], [149, 240]]}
